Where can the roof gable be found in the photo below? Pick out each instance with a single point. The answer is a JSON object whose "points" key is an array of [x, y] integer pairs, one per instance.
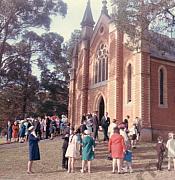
{"points": [[104, 20]]}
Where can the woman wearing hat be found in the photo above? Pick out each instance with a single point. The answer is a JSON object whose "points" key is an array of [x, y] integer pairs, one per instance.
{"points": [[34, 153], [117, 149], [72, 152], [88, 144]]}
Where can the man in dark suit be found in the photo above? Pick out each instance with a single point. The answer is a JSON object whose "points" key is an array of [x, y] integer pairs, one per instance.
{"points": [[105, 121], [65, 137], [95, 126]]}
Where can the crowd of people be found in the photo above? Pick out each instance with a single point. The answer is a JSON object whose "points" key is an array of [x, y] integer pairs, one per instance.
{"points": [[80, 141], [45, 127], [122, 138]]}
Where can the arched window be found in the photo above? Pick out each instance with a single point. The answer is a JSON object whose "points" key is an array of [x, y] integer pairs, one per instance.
{"points": [[103, 70], [96, 72], [161, 87], [100, 71], [106, 67], [101, 64], [129, 77], [162, 79]]}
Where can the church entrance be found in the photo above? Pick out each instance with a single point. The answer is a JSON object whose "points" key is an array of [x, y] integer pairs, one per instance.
{"points": [[101, 109]]}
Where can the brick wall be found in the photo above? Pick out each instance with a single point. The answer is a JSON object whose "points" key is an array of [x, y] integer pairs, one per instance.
{"points": [[144, 104], [162, 118], [133, 108]]}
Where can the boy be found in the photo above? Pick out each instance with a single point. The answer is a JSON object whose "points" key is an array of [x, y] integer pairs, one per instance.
{"points": [[160, 148]]}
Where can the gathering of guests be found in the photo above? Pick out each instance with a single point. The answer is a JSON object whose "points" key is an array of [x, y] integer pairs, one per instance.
{"points": [[81, 141], [45, 127], [121, 138]]}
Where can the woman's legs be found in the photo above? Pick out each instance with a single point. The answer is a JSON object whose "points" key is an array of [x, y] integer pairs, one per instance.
{"points": [[174, 163], [119, 163], [83, 166], [51, 136], [114, 164], [29, 169], [72, 164], [69, 165], [89, 166], [169, 163]]}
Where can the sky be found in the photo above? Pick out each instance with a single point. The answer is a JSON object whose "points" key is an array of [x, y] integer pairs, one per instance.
{"points": [[76, 8], [66, 25]]}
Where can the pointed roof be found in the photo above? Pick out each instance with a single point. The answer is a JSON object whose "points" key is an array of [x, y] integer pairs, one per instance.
{"points": [[88, 18], [104, 8]]}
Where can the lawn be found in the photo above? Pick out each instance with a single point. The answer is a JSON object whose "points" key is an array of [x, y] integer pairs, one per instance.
{"points": [[14, 157]]}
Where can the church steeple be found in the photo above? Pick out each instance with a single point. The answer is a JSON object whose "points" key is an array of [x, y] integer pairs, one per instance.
{"points": [[104, 8], [88, 18]]}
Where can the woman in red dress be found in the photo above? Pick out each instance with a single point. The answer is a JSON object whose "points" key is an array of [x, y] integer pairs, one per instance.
{"points": [[15, 131], [117, 149]]}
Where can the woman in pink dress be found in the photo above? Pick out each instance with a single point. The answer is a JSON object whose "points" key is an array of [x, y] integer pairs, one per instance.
{"points": [[117, 149], [15, 132]]}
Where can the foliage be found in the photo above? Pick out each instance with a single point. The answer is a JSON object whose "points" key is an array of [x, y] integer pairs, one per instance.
{"points": [[136, 17], [55, 83], [17, 16], [21, 47], [70, 45]]}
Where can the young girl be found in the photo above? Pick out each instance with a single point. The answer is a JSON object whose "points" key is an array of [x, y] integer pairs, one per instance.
{"points": [[160, 148], [87, 151], [128, 159], [171, 150], [72, 151]]}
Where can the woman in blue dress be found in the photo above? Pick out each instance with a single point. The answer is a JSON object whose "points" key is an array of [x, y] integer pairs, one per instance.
{"points": [[9, 131], [88, 144], [22, 132], [34, 153]]}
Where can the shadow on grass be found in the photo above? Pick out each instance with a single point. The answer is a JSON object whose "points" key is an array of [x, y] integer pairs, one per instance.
{"points": [[51, 172]]}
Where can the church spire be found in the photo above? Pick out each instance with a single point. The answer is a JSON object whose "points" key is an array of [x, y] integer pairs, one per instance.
{"points": [[88, 18], [104, 8]]}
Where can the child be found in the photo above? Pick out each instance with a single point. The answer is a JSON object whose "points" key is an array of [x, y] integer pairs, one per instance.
{"points": [[133, 132], [72, 151], [160, 148], [128, 159], [171, 150]]}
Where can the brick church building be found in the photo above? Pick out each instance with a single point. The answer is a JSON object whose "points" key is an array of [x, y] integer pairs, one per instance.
{"points": [[108, 77]]}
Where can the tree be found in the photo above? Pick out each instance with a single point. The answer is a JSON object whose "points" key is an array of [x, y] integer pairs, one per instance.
{"points": [[55, 93], [70, 45], [20, 47], [136, 17], [17, 16], [54, 75], [54, 83]]}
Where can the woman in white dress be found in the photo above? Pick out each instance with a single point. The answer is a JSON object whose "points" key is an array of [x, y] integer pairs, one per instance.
{"points": [[73, 150], [171, 150], [111, 127]]}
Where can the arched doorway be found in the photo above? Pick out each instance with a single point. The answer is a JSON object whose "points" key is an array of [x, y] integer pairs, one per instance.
{"points": [[101, 109]]}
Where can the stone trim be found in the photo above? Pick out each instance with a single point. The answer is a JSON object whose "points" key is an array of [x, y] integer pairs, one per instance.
{"points": [[161, 61]]}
